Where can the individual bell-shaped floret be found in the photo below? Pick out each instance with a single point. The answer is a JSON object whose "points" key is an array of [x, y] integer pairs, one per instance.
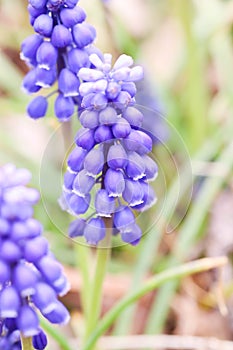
{"points": [[64, 108], [131, 234], [117, 158], [83, 183], [94, 231], [24, 279], [123, 217], [68, 83], [9, 302], [76, 159], [104, 205], [94, 161], [39, 341], [76, 227], [28, 321], [70, 17], [114, 182], [61, 36], [37, 108]]}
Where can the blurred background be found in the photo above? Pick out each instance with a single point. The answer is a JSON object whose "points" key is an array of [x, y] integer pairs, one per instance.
{"points": [[186, 49]]}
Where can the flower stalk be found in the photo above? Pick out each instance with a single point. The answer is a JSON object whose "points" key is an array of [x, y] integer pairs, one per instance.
{"points": [[27, 343]]}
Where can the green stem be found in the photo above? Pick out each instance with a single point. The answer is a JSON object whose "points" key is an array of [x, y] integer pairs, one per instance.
{"points": [[26, 343], [83, 262], [55, 334], [103, 254], [154, 282]]}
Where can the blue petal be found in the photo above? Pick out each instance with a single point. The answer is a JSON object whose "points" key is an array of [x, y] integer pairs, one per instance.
{"points": [[46, 55], [104, 205], [133, 116], [94, 231], [39, 341], [114, 182], [37, 108], [123, 217], [64, 108], [85, 138], [76, 227], [94, 161], [43, 25], [70, 17], [61, 36], [9, 302], [27, 321], [35, 249], [68, 83], [76, 159], [89, 119], [117, 157]]}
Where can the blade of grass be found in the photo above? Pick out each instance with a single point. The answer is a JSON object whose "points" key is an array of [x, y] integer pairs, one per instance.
{"points": [[154, 282], [152, 239], [187, 237]]}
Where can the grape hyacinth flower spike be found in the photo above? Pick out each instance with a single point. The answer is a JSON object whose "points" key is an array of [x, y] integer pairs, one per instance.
{"points": [[31, 279], [55, 53], [111, 154]]}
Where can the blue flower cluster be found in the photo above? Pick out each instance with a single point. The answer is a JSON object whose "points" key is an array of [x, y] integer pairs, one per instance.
{"points": [[111, 153], [30, 277], [60, 47]]}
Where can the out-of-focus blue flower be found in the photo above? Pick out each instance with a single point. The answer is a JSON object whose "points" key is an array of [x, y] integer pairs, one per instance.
{"points": [[30, 277], [59, 48], [111, 155]]}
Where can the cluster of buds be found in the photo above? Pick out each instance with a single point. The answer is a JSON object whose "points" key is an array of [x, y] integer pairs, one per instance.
{"points": [[59, 48], [111, 153], [30, 277]]}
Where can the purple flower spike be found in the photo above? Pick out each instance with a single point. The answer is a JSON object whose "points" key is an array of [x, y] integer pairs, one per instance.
{"points": [[26, 262], [37, 108], [103, 133], [94, 231], [138, 141], [39, 341]]}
